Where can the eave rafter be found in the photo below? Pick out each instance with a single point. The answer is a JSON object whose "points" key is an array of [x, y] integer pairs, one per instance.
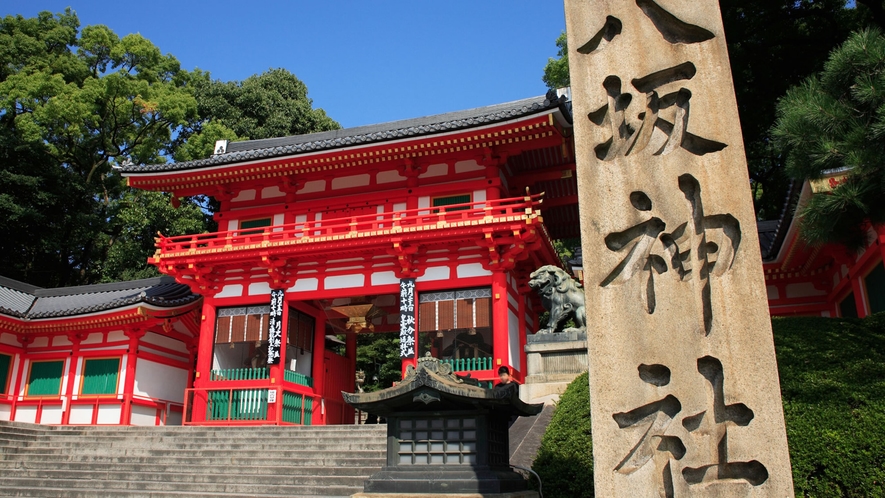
{"points": [[539, 131]]}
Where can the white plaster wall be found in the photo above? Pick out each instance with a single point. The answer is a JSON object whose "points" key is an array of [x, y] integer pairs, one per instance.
{"points": [[350, 181], [61, 340], [388, 177], [117, 336], [166, 342], [143, 415], [9, 339], [52, 415], [232, 290], [233, 225], [313, 186], [345, 281], [468, 166], [40, 342], [26, 414], [272, 192], [479, 196], [305, 284], [155, 380], [245, 195], [803, 290], [384, 277], [772, 292], [435, 273], [260, 289], [92, 339], [5, 412], [423, 202], [109, 414], [81, 415], [435, 170], [513, 339], [472, 270]]}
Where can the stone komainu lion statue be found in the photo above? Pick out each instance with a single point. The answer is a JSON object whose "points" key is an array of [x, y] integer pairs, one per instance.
{"points": [[561, 297]]}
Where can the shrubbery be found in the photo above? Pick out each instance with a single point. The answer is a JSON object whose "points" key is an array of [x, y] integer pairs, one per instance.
{"points": [[565, 460], [833, 382]]}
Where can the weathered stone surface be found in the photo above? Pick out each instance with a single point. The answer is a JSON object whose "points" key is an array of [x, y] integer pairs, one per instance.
{"points": [[684, 387], [552, 362]]}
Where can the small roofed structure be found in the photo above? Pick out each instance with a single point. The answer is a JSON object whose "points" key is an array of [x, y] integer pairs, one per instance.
{"points": [[113, 353], [445, 435]]}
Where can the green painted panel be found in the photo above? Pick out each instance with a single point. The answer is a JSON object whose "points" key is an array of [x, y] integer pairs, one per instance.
{"points": [[259, 223], [875, 283], [5, 362], [100, 376], [451, 200], [45, 378]]}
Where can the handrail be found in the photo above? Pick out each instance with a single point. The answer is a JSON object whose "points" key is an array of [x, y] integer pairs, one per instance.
{"points": [[354, 225], [220, 407], [469, 364], [297, 378]]}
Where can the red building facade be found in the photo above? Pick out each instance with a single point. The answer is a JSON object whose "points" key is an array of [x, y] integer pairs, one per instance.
{"points": [[828, 281], [333, 223]]}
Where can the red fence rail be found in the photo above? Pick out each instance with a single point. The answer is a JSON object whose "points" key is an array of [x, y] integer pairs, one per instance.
{"points": [[358, 226]]}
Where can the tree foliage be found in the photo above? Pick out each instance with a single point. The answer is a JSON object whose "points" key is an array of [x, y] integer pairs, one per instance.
{"points": [[772, 45], [836, 120], [73, 104], [378, 356]]}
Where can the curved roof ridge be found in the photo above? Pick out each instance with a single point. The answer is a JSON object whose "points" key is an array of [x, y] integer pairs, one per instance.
{"points": [[363, 135]]}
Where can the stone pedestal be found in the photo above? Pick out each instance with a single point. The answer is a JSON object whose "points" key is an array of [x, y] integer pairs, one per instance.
{"points": [[553, 361]]}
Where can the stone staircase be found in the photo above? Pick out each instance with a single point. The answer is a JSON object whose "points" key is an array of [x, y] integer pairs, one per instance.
{"points": [[151, 462]]}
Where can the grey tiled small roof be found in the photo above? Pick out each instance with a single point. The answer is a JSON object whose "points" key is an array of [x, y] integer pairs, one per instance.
{"points": [[362, 135], [26, 301]]}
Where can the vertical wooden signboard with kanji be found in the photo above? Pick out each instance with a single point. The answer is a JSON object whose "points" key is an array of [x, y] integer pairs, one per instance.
{"points": [[683, 378]]}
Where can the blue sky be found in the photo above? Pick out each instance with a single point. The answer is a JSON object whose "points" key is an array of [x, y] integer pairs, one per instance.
{"points": [[364, 61]]}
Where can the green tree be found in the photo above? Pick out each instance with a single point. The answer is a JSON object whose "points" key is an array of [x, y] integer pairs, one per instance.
{"points": [[378, 356], [267, 105], [70, 107], [773, 45], [836, 120]]}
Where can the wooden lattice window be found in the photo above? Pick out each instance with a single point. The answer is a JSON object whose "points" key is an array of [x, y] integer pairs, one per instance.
{"points": [[100, 376], [241, 324], [44, 378], [301, 330], [451, 200]]}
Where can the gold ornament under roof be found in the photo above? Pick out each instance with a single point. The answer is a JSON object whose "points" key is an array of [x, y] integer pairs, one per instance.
{"points": [[357, 316]]}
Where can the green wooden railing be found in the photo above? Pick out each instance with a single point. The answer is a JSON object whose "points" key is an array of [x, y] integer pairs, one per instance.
{"points": [[240, 374], [296, 405], [469, 364], [297, 378], [237, 404]]}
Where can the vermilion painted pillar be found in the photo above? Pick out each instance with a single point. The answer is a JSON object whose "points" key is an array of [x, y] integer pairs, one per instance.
{"points": [[72, 374], [205, 350], [318, 368], [500, 332], [134, 335]]}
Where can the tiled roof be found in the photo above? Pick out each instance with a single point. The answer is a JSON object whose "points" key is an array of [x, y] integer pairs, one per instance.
{"points": [[362, 135], [26, 301]]}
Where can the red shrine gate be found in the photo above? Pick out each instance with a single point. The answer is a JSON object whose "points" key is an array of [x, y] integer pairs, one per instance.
{"points": [[319, 231]]}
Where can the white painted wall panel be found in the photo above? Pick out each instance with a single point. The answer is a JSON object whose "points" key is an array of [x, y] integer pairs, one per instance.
{"points": [[143, 415], [345, 281], [472, 270], [81, 415], [513, 338], [109, 414], [155, 380]]}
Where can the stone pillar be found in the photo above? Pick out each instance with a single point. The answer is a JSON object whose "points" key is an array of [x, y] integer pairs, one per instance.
{"points": [[683, 378]]}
